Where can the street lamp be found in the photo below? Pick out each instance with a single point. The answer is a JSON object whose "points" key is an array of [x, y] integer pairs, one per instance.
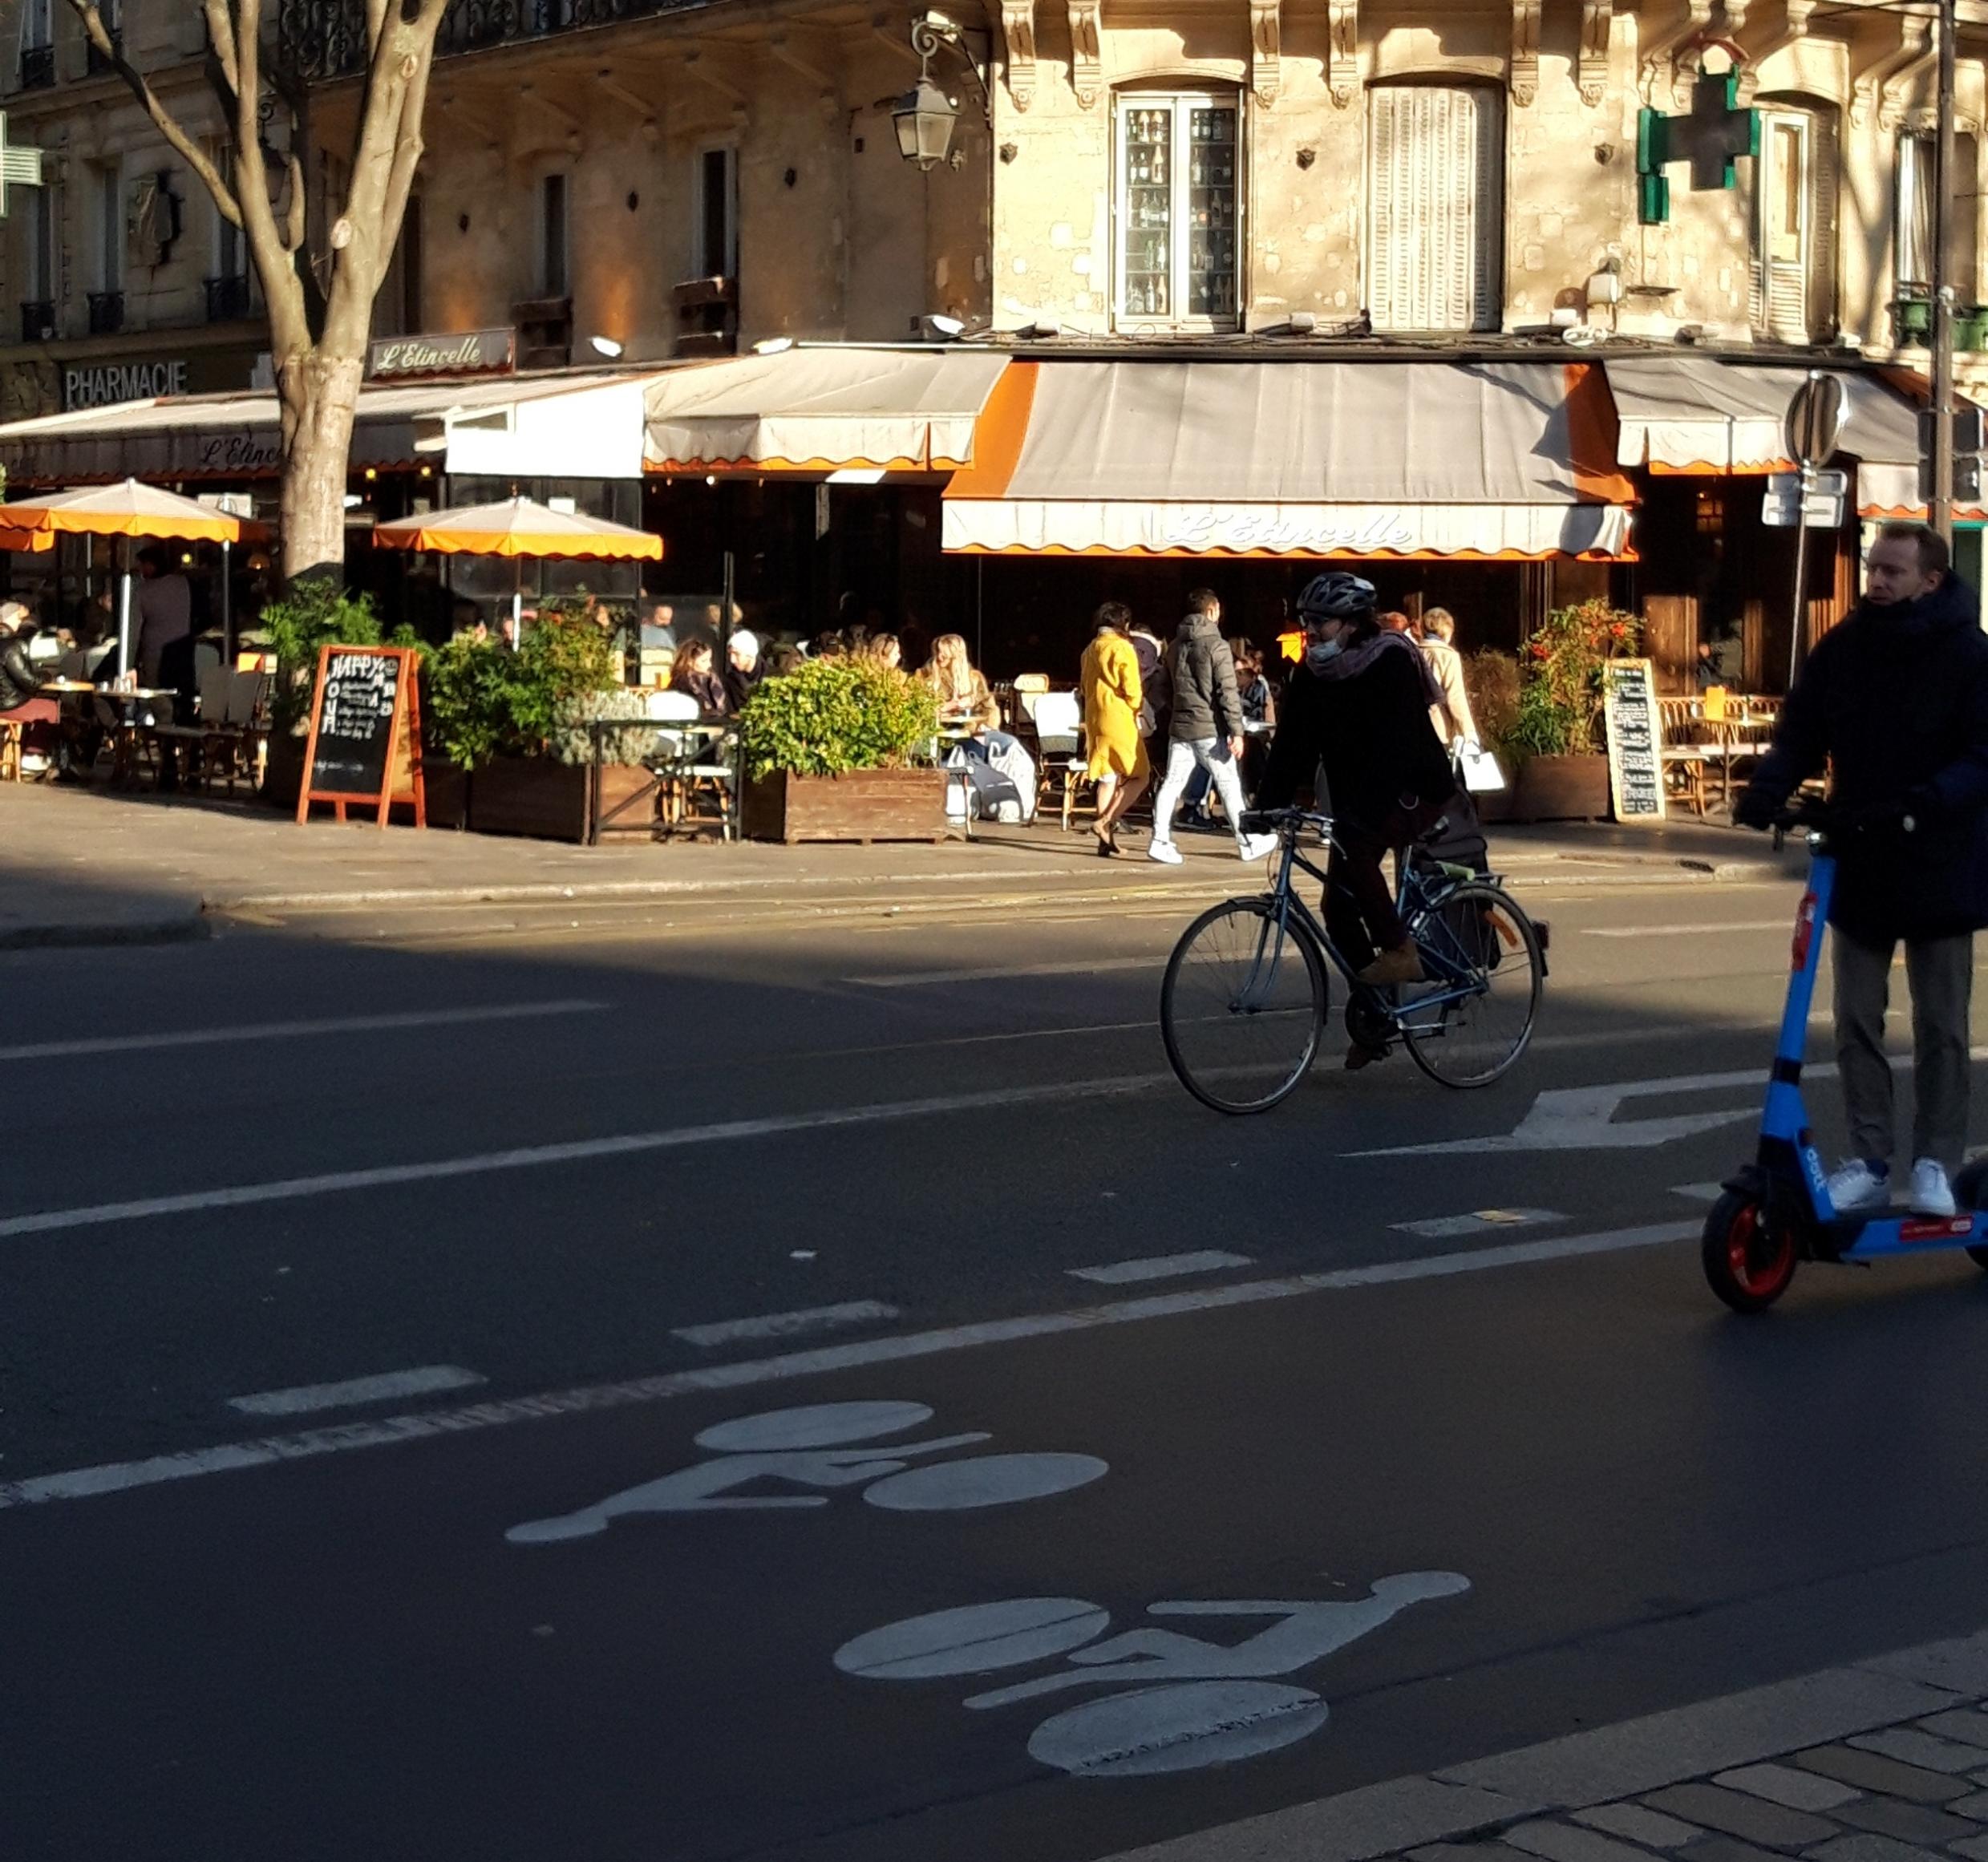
{"points": [[924, 116]]}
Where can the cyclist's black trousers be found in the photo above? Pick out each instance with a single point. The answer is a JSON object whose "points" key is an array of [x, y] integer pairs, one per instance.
{"points": [[1360, 910]]}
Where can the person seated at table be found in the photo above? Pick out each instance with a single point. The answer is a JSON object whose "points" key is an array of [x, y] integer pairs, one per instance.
{"points": [[886, 650], [692, 674], [21, 700], [743, 671], [964, 701]]}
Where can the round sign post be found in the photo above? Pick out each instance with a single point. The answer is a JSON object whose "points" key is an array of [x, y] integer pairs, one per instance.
{"points": [[1811, 429]]}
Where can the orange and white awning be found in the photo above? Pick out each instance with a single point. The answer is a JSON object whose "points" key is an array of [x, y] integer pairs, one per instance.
{"points": [[838, 408], [1484, 461]]}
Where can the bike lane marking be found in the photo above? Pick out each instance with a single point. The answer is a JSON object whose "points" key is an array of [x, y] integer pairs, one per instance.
{"points": [[802, 1319], [1158, 1267], [122, 1476], [301, 1399]]}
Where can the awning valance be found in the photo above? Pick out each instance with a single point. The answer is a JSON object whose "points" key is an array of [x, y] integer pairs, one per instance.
{"points": [[1327, 458], [556, 426], [831, 409]]}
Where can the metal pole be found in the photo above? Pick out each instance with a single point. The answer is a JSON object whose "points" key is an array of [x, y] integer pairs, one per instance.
{"points": [[724, 619], [1798, 625], [1940, 507], [227, 609]]}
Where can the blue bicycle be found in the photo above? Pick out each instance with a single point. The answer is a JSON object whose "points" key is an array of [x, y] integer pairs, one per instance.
{"points": [[1776, 1212], [1242, 1007]]}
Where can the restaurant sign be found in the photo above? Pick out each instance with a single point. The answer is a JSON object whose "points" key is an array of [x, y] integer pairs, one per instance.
{"points": [[473, 352], [100, 384]]}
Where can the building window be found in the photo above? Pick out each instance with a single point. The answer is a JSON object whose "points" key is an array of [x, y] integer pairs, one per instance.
{"points": [[38, 45], [552, 268], [1435, 207], [1179, 209], [1794, 263], [109, 229], [716, 253], [1914, 241]]}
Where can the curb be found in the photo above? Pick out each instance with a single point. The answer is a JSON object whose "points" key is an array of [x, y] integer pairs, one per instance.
{"points": [[183, 928]]}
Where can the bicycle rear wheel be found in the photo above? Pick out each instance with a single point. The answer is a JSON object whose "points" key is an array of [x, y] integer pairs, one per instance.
{"points": [[1242, 1006], [1479, 947]]}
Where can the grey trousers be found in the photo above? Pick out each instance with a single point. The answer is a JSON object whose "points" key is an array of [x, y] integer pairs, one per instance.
{"points": [[1940, 972]]}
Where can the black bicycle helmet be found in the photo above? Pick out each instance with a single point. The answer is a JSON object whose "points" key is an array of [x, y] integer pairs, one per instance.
{"points": [[1337, 595]]}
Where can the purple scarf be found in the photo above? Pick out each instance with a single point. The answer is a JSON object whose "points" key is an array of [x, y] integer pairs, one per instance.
{"points": [[1356, 660]]}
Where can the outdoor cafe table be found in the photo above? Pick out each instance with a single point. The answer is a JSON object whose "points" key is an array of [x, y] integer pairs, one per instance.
{"points": [[124, 734]]}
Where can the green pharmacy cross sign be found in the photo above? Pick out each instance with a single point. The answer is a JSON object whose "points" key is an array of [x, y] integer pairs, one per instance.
{"points": [[1711, 139], [20, 168]]}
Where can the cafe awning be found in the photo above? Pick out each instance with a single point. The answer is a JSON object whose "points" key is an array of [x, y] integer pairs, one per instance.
{"points": [[567, 425], [835, 408], [1478, 460]]}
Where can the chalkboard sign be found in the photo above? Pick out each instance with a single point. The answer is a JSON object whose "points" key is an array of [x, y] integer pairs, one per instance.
{"points": [[364, 744], [1635, 735]]}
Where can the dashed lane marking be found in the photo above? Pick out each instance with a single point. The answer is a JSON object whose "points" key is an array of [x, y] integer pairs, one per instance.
{"points": [[122, 1476], [931, 978], [302, 1398], [1642, 931], [1160, 1267], [786, 1325]]}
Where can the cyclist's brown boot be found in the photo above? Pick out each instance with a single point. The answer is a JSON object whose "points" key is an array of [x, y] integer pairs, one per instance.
{"points": [[1401, 964]]}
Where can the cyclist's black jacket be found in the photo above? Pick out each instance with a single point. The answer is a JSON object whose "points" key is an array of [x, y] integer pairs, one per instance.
{"points": [[1371, 732], [1896, 701]]}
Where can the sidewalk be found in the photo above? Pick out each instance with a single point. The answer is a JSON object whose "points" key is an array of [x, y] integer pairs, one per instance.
{"points": [[83, 865], [1881, 1760]]}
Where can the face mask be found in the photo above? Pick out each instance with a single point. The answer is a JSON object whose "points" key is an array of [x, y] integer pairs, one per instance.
{"points": [[1321, 654]]}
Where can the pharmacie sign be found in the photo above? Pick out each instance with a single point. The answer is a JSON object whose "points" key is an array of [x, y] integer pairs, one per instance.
{"points": [[474, 352], [98, 384]]}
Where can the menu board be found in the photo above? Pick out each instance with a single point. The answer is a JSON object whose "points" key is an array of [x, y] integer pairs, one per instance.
{"points": [[1635, 735], [364, 746]]}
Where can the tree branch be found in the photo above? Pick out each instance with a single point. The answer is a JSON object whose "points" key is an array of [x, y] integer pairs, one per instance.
{"points": [[296, 217], [220, 37], [163, 119]]}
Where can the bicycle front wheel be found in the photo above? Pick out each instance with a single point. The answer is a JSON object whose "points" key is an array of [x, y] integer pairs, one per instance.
{"points": [[1469, 1024], [1242, 1006]]}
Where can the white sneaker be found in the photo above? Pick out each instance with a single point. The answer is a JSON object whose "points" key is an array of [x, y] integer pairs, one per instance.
{"points": [[1166, 853], [1255, 847], [1853, 1191], [1931, 1195]]}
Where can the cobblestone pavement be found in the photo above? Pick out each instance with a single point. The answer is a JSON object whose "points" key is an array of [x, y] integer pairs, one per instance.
{"points": [[1883, 1761]]}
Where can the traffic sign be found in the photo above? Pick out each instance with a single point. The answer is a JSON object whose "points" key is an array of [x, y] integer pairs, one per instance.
{"points": [[1968, 436], [1967, 477], [1833, 484], [1814, 419], [1783, 510]]}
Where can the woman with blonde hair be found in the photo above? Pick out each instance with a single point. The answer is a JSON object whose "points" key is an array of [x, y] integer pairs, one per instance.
{"points": [[1112, 694], [885, 650], [962, 692]]}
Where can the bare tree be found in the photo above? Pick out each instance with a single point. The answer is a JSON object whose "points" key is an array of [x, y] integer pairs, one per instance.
{"points": [[319, 348]]}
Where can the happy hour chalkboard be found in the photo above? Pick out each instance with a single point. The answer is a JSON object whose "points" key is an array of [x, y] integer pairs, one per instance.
{"points": [[1635, 735], [364, 732]]}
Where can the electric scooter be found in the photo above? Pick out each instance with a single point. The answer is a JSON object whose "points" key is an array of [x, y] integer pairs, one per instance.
{"points": [[1775, 1212]]}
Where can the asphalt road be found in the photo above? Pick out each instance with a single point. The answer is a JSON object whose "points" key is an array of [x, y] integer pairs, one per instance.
{"points": [[561, 1180]]}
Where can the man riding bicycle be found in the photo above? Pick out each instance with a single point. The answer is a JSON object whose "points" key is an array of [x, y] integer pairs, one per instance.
{"points": [[1358, 708]]}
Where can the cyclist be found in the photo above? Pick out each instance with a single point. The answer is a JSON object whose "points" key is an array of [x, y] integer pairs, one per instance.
{"points": [[1358, 705]]}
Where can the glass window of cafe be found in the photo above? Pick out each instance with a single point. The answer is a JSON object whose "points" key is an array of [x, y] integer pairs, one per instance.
{"points": [[491, 579]]}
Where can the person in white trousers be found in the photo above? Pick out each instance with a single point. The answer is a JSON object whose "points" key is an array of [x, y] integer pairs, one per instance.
{"points": [[1207, 729]]}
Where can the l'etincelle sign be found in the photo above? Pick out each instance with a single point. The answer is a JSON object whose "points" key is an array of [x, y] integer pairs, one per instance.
{"points": [[97, 384], [475, 352]]}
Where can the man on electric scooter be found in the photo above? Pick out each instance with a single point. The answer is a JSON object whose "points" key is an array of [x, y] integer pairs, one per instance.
{"points": [[1895, 700]]}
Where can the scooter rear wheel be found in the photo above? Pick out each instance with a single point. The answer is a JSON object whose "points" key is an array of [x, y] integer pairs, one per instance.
{"points": [[1746, 1263], [1970, 1188]]}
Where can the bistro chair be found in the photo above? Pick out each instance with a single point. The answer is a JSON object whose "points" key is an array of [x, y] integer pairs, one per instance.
{"points": [[1685, 754], [1059, 721], [687, 768], [9, 749]]}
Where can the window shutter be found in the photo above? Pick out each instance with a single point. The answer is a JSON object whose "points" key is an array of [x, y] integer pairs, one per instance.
{"points": [[1822, 226], [1435, 203]]}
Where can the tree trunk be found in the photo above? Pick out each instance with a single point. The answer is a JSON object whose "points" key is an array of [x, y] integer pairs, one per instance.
{"points": [[319, 394]]}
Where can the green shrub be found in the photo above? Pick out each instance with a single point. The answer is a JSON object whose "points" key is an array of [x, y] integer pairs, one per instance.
{"points": [[572, 741], [1559, 692], [832, 715], [466, 699], [315, 612], [1491, 680], [480, 699]]}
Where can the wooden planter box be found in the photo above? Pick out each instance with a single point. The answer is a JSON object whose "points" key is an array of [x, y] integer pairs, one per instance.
{"points": [[283, 773], [865, 805], [1560, 788], [445, 793], [534, 796]]}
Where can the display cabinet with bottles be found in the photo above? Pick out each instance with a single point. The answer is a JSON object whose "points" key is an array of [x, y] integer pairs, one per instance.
{"points": [[1179, 210]]}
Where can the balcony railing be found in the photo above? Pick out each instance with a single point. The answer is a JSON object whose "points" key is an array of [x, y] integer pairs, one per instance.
{"points": [[326, 38], [38, 67], [106, 313], [38, 320], [227, 300]]}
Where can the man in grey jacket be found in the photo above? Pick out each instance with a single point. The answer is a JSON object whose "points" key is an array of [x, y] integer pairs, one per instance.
{"points": [[1207, 729]]}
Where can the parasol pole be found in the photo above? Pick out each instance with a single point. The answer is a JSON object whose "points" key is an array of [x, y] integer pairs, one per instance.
{"points": [[227, 609], [124, 611]]}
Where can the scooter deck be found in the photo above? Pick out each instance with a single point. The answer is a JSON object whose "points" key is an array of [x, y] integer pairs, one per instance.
{"points": [[1899, 1231]]}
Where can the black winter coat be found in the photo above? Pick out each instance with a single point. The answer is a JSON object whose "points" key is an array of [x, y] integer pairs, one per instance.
{"points": [[1371, 732], [1203, 680], [1895, 701], [18, 680]]}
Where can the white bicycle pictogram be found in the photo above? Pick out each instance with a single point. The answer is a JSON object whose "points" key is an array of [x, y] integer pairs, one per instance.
{"points": [[1183, 1701], [812, 1447]]}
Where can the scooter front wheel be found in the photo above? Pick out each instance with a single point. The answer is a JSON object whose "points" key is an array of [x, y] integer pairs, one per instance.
{"points": [[1747, 1264]]}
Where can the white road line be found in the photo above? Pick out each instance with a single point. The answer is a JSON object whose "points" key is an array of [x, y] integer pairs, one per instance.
{"points": [[120, 1476], [580, 1150], [1158, 1267], [786, 1325], [1477, 1222], [302, 1398], [1782, 924], [293, 1030], [926, 978]]}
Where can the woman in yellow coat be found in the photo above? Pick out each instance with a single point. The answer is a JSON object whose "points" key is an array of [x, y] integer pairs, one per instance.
{"points": [[1112, 698]]}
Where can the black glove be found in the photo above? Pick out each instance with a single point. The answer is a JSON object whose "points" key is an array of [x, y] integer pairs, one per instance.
{"points": [[1755, 809]]}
